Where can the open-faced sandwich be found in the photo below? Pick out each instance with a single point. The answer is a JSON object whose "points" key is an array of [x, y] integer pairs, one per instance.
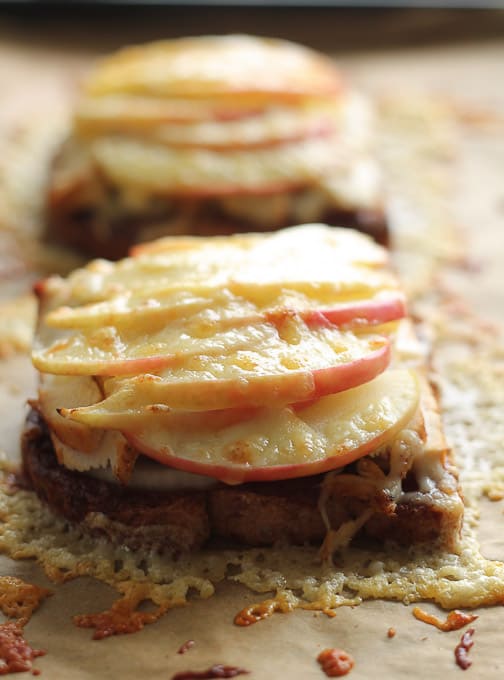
{"points": [[212, 135], [253, 388]]}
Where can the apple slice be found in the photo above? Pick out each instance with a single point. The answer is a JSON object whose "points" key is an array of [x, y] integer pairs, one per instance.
{"points": [[270, 127], [178, 244], [139, 418], [226, 68], [117, 301], [287, 443], [308, 255], [143, 310], [197, 345], [139, 307], [319, 241], [379, 310], [56, 392], [125, 113], [274, 127], [169, 171], [242, 381], [327, 278]]}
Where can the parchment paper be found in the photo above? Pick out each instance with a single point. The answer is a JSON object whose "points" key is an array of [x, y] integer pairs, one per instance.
{"points": [[286, 646]]}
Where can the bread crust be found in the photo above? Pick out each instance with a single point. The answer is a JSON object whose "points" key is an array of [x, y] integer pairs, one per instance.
{"points": [[254, 514]]}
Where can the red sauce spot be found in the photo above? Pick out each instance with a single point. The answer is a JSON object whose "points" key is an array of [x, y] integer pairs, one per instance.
{"points": [[454, 621], [462, 650], [217, 671], [188, 644], [335, 662], [16, 655]]}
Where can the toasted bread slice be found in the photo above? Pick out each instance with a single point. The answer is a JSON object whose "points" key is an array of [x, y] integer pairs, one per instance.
{"points": [[213, 433]]}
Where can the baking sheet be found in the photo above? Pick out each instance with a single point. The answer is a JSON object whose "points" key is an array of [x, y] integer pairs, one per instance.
{"points": [[286, 645]]}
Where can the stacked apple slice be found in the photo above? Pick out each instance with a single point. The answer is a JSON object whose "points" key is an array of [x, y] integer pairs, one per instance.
{"points": [[242, 358], [219, 116]]}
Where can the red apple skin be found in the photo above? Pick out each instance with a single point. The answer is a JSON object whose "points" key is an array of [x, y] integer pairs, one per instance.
{"points": [[236, 473], [345, 376], [355, 314], [134, 123], [240, 474], [123, 367], [322, 128], [359, 314], [224, 115], [278, 390]]}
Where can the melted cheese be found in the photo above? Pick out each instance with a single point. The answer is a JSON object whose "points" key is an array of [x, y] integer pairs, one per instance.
{"points": [[219, 314], [181, 123], [154, 145], [202, 172], [452, 580], [324, 147], [201, 358], [286, 443], [212, 324], [271, 127], [161, 123], [128, 113], [18, 600], [311, 259], [151, 476], [217, 66], [472, 391]]}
